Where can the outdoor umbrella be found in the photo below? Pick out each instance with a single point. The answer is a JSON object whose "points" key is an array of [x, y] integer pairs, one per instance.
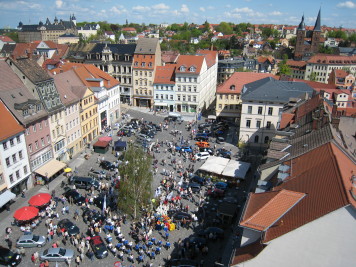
{"points": [[26, 213], [67, 170], [105, 138], [40, 199]]}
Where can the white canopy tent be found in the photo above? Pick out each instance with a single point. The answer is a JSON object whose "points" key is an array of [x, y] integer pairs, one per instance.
{"points": [[226, 167]]}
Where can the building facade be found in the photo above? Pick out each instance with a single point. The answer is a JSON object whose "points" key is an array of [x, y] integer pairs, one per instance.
{"points": [[164, 88], [226, 67], [147, 57]]}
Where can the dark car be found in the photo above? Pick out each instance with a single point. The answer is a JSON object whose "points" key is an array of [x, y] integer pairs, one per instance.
{"points": [[157, 127], [201, 138], [221, 152], [179, 216], [9, 258], [195, 187], [150, 134], [75, 195], [221, 185], [216, 193], [99, 201], [70, 227], [198, 179], [92, 215], [216, 231], [98, 247], [124, 132], [194, 240], [204, 125], [182, 263], [107, 165]]}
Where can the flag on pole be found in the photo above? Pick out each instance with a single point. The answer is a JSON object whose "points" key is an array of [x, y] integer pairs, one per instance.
{"points": [[104, 204]]}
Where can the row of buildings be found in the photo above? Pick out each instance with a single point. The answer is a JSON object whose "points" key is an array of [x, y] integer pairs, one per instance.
{"points": [[49, 118]]}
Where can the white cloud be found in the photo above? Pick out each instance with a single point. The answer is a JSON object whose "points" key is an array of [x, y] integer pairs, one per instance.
{"points": [[59, 3], [202, 9], [275, 13], [141, 8], [348, 4], [119, 10], [184, 8], [210, 7], [243, 10], [161, 6], [232, 15]]}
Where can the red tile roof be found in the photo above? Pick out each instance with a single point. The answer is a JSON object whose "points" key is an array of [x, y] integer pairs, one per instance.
{"points": [[210, 56], [286, 120], [165, 74], [247, 252], [340, 73], [88, 71], [262, 59], [128, 29], [6, 39], [294, 63], [190, 61], [22, 49], [12, 128], [332, 59], [239, 79], [273, 210]]}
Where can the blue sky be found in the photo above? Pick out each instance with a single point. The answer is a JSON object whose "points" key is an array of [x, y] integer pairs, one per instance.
{"points": [[334, 12]]}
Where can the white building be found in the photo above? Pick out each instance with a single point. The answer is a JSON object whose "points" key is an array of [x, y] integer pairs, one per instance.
{"points": [[87, 30], [196, 77], [262, 103], [164, 88], [13, 152]]}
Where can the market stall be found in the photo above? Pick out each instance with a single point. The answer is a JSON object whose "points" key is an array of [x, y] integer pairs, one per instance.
{"points": [[101, 147]]}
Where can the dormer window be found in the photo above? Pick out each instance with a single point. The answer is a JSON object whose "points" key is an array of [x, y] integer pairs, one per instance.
{"points": [[182, 68], [38, 107], [192, 69], [232, 87], [25, 112]]}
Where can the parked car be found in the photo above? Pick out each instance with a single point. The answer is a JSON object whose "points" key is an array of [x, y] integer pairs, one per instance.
{"points": [[223, 153], [220, 140], [198, 179], [215, 192], [195, 187], [202, 155], [84, 182], [202, 144], [97, 174], [29, 241], [125, 132], [216, 231], [56, 254], [148, 133], [107, 165], [201, 138], [194, 240], [202, 135], [9, 258], [99, 201], [98, 247], [207, 149], [204, 125], [75, 195], [179, 216], [70, 227], [184, 148]]}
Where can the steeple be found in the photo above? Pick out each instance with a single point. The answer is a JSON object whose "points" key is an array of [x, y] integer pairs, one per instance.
{"points": [[317, 26], [301, 25]]}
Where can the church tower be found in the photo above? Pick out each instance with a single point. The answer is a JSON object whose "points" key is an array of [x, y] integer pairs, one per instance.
{"points": [[299, 45], [315, 40]]}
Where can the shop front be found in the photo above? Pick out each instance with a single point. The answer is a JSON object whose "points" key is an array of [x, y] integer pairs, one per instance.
{"points": [[49, 171], [103, 119], [160, 106], [143, 102]]}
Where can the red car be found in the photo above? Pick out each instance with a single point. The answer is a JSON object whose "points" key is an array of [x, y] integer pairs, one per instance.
{"points": [[216, 193]]}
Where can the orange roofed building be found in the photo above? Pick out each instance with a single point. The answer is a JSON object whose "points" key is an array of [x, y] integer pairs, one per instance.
{"points": [[164, 83], [308, 218], [228, 101]]}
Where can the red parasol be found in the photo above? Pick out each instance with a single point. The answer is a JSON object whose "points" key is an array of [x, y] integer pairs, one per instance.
{"points": [[40, 199], [26, 213]]}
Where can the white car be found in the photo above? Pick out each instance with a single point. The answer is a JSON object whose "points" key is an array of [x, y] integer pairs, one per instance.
{"points": [[202, 155]]}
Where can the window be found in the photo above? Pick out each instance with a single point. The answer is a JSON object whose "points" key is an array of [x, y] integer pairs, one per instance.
{"points": [[14, 159], [30, 148], [48, 139], [42, 141], [249, 109], [40, 125], [194, 98], [178, 87], [259, 110], [194, 88], [220, 106], [12, 142], [11, 177], [268, 126], [178, 97], [171, 97], [25, 169], [221, 96], [226, 97], [4, 145], [27, 131], [266, 140], [232, 97], [18, 139], [20, 154], [258, 124], [156, 96], [270, 111], [36, 144], [7, 160], [17, 174], [256, 138], [248, 123]]}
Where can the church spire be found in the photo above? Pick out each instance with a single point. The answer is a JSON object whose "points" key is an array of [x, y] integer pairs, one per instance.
{"points": [[301, 24], [317, 26]]}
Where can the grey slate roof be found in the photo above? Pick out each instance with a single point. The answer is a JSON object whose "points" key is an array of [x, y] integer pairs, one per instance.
{"points": [[317, 26], [63, 82], [120, 49], [301, 25], [8, 48], [271, 90], [146, 46], [32, 70]]}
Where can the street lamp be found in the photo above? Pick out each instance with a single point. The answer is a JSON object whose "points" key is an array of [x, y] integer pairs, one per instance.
{"points": [[47, 180]]}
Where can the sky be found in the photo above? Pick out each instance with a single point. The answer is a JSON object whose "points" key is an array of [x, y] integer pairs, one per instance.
{"points": [[334, 13]]}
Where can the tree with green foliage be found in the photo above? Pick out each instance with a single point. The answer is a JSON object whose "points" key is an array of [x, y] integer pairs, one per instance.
{"points": [[352, 38], [337, 34], [136, 180], [225, 28], [283, 67], [206, 26], [312, 76], [13, 35], [292, 41], [325, 49]]}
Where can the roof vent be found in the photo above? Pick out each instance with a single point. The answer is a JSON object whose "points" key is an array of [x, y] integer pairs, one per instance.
{"points": [[65, 96]]}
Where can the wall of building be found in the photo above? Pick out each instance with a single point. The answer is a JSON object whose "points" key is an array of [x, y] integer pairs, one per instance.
{"points": [[89, 117], [58, 135], [73, 130]]}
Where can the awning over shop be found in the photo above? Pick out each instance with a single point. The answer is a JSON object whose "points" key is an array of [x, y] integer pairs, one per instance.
{"points": [[51, 168], [6, 197]]}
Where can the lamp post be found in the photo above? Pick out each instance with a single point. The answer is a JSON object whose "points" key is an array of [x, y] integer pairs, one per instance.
{"points": [[46, 174]]}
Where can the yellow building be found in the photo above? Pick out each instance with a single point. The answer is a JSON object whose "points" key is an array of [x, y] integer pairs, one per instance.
{"points": [[89, 116]]}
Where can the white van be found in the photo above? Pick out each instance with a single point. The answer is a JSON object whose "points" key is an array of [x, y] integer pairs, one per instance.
{"points": [[143, 138], [175, 116]]}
